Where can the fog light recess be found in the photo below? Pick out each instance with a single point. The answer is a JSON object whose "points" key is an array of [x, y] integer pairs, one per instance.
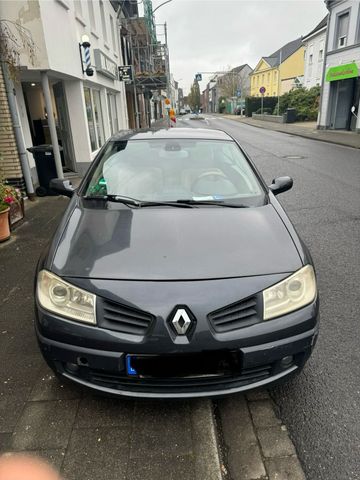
{"points": [[286, 362]]}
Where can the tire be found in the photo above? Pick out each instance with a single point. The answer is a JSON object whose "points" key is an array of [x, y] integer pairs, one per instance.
{"points": [[41, 191]]}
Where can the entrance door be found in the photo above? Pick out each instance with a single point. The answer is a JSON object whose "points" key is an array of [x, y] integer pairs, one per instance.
{"points": [[64, 132], [343, 103]]}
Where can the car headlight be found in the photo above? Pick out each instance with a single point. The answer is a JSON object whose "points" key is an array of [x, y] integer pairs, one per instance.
{"points": [[58, 296], [290, 294]]}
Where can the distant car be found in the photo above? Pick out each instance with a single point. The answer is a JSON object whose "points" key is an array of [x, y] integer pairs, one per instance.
{"points": [[175, 272], [182, 111]]}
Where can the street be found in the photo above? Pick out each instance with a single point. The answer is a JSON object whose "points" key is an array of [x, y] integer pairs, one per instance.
{"points": [[321, 407], [90, 437]]}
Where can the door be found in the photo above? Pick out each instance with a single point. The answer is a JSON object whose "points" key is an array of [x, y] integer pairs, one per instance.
{"points": [[344, 97], [64, 131]]}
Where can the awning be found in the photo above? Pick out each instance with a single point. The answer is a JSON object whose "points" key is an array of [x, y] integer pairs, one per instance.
{"points": [[341, 72]]}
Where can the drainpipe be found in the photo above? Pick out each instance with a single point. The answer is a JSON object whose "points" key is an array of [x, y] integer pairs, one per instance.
{"points": [[327, 39], [52, 126], [10, 90]]}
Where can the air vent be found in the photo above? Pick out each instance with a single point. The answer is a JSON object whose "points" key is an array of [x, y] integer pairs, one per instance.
{"points": [[235, 316], [121, 318]]}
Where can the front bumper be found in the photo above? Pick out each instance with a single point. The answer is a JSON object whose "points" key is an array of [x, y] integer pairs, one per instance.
{"points": [[104, 371]]}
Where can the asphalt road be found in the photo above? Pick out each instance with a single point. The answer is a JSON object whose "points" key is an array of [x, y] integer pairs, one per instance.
{"points": [[322, 406]]}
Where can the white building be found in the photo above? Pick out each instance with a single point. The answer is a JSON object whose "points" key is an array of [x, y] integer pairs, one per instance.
{"points": [[87, 109], [341, 86], [314, 43]]}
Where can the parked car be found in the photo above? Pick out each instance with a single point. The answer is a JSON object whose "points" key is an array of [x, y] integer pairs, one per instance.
{"points": [[175, 272]]}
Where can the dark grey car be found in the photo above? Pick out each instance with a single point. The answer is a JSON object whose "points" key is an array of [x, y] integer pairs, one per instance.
{"points": [[175, 272]]}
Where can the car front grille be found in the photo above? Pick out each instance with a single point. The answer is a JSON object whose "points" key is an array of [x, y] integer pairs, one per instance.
{"points": [[237, 315], [122, 318], [180, 385]]}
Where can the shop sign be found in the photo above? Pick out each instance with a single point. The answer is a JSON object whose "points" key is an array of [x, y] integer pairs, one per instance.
{"points": [[104, 64], [342, 72]]}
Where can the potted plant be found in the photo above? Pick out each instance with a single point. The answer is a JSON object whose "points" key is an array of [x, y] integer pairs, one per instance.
{"points": [[8, 196]]}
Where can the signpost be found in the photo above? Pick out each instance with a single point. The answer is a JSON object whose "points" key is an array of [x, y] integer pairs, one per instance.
{"points": [[198, 77], [262, 90]]}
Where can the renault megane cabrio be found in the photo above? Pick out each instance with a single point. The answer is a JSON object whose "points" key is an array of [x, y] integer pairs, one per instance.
{"points": [[175, 272]]}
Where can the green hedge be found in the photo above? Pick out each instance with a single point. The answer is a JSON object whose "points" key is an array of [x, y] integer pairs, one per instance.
{"points": [[253, 104], [306, 102]]}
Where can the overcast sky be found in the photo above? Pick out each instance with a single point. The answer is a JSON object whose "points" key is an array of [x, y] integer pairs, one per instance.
{"points": [[210, 35]]}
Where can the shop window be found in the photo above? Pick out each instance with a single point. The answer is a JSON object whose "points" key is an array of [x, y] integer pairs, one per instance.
{"points": [[103, 22], [342, 30], [94, 118], [113, 116]]}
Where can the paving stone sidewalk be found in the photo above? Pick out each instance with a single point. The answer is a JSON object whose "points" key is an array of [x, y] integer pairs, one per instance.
{"points": [[348, 139], [89, 437]]}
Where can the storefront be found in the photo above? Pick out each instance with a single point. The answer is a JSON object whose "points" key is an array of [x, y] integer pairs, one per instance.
{"points": [[344, 94]]}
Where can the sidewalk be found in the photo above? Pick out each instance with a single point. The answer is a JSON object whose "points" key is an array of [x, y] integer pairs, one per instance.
{"points": [[88, 437], [304, 129]]}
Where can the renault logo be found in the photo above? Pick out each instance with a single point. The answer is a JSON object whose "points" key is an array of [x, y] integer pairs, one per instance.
{"points": [[181, 321]]}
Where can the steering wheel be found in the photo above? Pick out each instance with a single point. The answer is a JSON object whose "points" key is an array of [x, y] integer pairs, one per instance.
{"points": [[213, 177]]}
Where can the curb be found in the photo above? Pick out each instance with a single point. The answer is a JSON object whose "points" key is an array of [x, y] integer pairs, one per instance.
{"points": [[297, 134], [205, 440], [257, 445]]}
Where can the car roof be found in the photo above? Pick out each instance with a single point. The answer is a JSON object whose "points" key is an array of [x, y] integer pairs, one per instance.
{"points": [[172, 133]]}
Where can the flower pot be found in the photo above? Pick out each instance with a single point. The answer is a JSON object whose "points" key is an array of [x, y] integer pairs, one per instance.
{"points": [[4, 225]]}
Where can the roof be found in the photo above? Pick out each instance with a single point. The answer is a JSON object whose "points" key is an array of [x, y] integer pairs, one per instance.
{"points": [[286, 51], [172, 133], [318, 27], [241, 67]]}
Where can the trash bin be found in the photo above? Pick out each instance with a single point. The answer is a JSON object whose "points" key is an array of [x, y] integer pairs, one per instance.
{"points": [[290, 115], [45, 167]]}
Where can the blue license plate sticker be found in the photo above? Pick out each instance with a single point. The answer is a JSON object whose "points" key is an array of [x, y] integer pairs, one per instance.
{"points": [[129, 369]]}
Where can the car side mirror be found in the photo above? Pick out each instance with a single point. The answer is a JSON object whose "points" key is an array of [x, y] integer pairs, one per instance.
{"points": [[62, 186], [281, 184]]}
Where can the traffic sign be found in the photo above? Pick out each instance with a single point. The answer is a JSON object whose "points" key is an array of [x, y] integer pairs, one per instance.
{"points": [[238, 93], [262, 90], [198, 77]]}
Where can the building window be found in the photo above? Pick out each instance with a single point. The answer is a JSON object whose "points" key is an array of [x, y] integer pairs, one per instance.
{"points": [[112, 33], [113, 116], [103, 23], [268, 78], [78, 7], [94, 118], [342, 30], [310, 59], [321, 55], [92, 15]]}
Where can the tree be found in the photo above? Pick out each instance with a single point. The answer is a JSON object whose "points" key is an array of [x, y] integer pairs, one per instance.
{"points": [[231, 82], [194, 96], [14, 38]]}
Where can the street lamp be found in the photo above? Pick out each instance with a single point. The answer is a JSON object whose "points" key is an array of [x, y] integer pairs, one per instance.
{"points": [[157, 8]]}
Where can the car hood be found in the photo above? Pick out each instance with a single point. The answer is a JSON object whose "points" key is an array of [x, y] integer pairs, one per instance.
{"points": [[116, 242]]}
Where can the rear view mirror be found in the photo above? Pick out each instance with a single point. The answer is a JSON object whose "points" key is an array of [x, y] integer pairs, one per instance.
{"points": [[281, 184], [62, 186]]}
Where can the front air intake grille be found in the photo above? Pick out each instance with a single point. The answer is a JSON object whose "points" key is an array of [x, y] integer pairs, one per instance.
{"points": [[237, 315], [124, 319]]}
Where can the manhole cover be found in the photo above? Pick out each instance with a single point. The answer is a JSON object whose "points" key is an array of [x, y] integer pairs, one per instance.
{"points": [[295, 157]]}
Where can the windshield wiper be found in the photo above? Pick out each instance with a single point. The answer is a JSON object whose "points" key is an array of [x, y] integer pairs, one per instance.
{"points": [[219, 203], [136, 203], [115, 198]]}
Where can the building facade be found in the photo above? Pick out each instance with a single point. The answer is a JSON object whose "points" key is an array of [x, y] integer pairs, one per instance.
{"points": [[235, 86], [76, 62], [341, 86], [314, 43], [279, 72]]}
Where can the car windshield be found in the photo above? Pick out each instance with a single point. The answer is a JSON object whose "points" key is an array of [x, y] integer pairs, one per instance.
{"points": [[171, 170]]}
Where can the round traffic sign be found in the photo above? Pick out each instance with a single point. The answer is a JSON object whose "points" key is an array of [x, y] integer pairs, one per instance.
{"points": [[262, 90]]}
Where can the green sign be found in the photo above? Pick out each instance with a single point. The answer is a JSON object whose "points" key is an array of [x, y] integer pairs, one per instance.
{"points": [[349, 70]]}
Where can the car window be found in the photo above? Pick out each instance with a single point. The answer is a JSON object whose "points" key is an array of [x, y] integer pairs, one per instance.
{"points": [[174, 169]]}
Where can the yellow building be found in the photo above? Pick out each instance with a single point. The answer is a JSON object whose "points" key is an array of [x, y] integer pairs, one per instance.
{"points": [[283, 70]]}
